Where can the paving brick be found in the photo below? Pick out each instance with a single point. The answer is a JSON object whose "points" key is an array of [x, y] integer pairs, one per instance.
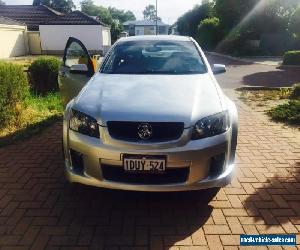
{"points": [[280, 201], [141, 236], [230, 240], [250, 229], [198, 237], [267, 229], [218, 216], [235, 201], [178, 240], [234, 212], [287, 225], [216, 229], [214, 242], [235, 226], [269, 218]]}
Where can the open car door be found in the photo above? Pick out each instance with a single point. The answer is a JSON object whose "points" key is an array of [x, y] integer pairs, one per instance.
{"points": [[76, 70]]}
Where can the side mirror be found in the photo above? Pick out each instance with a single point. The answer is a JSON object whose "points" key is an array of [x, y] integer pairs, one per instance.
{"points": [[79, 69], [218, 69]]}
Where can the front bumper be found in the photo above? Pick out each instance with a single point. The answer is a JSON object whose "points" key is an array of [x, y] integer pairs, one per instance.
{"points": [[220, 181], [195, 155]]}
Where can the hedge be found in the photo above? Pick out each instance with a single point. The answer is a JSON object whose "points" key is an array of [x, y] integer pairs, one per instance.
{"points": [[292, 58], [43, 74], [209, 33], [13, 90]]}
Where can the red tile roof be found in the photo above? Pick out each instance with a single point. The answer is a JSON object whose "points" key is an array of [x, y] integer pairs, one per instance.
{"points": [[33, 16]]}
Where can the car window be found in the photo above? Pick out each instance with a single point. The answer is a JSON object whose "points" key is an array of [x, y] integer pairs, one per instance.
{"points": [[75, 55], [154, 57]]}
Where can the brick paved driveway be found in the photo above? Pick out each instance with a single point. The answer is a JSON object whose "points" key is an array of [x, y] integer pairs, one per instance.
{"points": [[38, 209]]}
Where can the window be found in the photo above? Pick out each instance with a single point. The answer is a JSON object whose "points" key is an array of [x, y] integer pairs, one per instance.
{"points": [[154, 57], [75, 55]]}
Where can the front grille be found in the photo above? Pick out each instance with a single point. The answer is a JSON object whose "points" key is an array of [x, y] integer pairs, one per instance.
{"points": [[170, 176], [161, 131]]}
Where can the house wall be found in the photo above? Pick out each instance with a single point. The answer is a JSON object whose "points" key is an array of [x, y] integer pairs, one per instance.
{"points": [[54, 37], [151, 30], [106, 37], [13, 41], [139, 30], [34, 43]]}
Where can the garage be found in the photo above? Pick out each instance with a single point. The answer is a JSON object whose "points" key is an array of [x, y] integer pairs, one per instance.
{"points": [[55, 33], [13, 38]]}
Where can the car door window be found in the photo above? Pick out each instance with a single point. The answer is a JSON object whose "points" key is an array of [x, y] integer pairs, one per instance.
{"points": [[75, 55]]}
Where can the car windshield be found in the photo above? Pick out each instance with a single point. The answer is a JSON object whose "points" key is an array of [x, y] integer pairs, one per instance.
{"points": [[154, 57]]}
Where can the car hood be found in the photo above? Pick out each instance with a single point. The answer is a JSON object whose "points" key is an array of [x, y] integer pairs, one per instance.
{"points": [[149, 98]]}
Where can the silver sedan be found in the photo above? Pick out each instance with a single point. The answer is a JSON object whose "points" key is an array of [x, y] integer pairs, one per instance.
{"points": [[152, 117]]}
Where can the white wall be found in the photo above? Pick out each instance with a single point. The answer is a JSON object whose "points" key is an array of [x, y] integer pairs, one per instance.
{"points": [[139, 30], [54, 37], [12, 41]]}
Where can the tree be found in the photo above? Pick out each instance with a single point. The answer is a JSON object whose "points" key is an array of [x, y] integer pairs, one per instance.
{"points": [[150, 13], [2, 3], [256, 16], [115, 29], [111, 16], [121, 15], [294, 25], [187, 24], [209, 33], [64, 6], [89, 8]]}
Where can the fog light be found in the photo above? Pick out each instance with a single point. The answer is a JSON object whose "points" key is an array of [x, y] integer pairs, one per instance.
{"points": [[77, 162], [217, 165]]}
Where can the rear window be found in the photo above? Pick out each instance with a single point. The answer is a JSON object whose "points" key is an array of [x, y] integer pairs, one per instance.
{"points": [[154, 57]]}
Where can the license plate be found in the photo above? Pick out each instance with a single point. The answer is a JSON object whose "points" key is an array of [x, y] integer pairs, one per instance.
{"points": [[144, 164]]}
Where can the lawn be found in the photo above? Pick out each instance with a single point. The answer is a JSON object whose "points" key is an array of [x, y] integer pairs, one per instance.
{"points": [[36, 113]]}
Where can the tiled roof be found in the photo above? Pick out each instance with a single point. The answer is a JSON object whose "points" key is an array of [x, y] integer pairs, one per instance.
{"points": [[8, 21], [74, 18], [144, 23], [33, 16]]}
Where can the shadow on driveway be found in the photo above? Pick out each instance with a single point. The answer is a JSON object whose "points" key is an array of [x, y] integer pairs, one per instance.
{"points": [[277, 202], [278, 78]]}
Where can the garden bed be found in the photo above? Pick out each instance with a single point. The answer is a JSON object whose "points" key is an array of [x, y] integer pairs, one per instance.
{"points": [[280, 104], [29, 101]]}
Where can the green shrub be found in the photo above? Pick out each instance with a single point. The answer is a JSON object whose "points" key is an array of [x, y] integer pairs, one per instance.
{"points": [[288, 112], [43, 74], [292, 58], [13, 90], [209, 33], [296, 92]]}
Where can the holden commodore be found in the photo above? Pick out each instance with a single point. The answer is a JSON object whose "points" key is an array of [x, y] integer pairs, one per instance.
{"points": [[152, 117]]}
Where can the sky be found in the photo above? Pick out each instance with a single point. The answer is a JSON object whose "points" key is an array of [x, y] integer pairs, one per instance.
{"points": [[168, 10]]}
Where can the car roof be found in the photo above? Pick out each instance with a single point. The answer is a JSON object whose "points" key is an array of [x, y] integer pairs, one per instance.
{"points": [[155, 38]]}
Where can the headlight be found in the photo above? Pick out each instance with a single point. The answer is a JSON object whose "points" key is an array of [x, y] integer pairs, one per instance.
{"points": [[211, 125], [84, 124]]}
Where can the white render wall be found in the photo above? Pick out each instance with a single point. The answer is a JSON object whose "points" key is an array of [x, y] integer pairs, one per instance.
{"points": [[139, 30], [54, 37], [13, 41]]}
